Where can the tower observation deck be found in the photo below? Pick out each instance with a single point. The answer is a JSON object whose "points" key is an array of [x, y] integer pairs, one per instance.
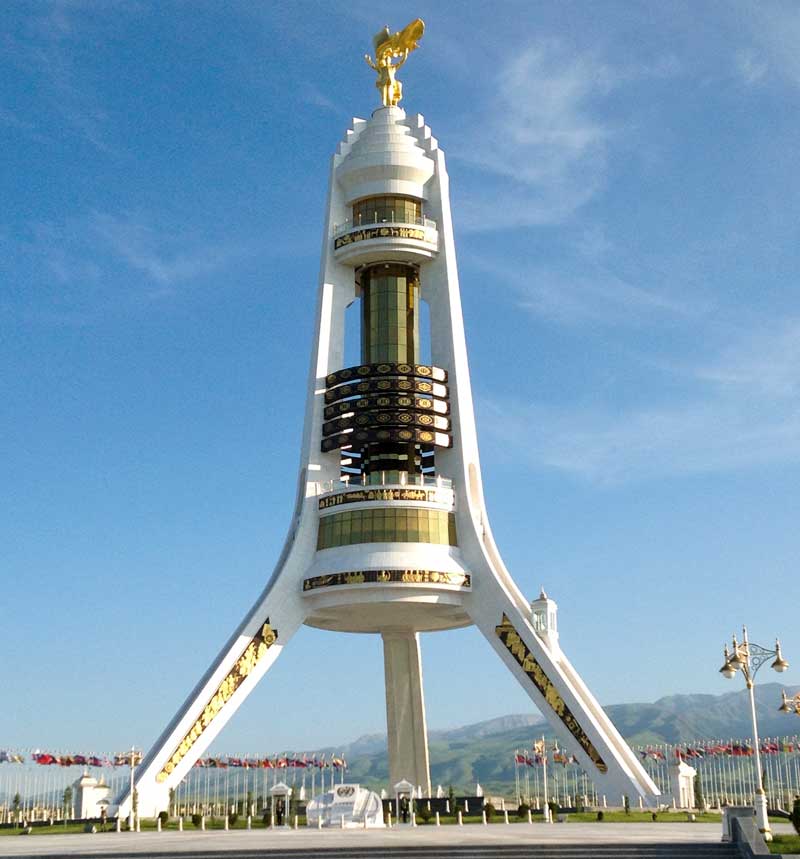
{"points": [[390, 533]]}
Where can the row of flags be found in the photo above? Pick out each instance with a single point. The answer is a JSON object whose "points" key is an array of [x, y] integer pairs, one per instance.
{"points": [[730, 749], [124, 760], [538, 753]]}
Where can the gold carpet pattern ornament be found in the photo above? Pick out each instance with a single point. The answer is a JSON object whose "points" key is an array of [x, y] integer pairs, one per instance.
{"points": [[391, 51], [244, 665]]}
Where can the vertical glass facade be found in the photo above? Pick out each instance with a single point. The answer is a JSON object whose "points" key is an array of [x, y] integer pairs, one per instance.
{"points": [[389, 334], [390, 323]]}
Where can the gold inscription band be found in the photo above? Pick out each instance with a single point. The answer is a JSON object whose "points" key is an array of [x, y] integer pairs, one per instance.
{"points": [[252, 654], [388, 577], [361, 495], [379, 233], [519, 650]]}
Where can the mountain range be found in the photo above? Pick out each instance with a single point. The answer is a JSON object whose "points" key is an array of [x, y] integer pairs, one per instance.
{"points": [[483, 752]]}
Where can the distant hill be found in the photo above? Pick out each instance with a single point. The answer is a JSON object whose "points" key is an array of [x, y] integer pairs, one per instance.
{"points": [[482, 752]]}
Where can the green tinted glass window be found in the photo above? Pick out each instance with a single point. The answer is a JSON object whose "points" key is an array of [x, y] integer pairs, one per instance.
{"points": [[387, 525], [387, 209]]}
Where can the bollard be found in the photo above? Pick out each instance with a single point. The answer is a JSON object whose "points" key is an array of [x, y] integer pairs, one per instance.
{"points": [[119, 824], [438, 823], [447, 806], [249, 821], [225, 823], [158, 824], [530, 816], [365, 821], [319, 821], [466, 806], [203, 823], [390, 819], [641, 804], [605, 804], [505, 812], [295, 821], [413, 818], [341, 822], [138, 824], [460, 818], [483, 815], [180, 824], [272, 821]]}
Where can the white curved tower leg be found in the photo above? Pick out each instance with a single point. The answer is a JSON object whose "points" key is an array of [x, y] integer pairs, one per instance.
{"points": [[243, 661]]}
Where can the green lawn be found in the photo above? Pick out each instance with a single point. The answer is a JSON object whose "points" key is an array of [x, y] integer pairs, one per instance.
{"points": [[785, 844]]}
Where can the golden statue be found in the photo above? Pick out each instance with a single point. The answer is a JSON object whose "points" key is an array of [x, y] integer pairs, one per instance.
{"points": [[389, 47]]}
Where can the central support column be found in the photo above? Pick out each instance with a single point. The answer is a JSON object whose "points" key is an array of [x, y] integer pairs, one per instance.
{"points": [[405, 710]]}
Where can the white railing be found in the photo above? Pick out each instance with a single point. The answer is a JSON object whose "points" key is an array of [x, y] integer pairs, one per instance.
{"points": [[350, 225], [357, 481]]}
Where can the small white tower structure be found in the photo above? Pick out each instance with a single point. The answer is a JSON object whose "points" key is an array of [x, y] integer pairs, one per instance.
{"points": [[90, 797], [544, 615], [390, 534]]}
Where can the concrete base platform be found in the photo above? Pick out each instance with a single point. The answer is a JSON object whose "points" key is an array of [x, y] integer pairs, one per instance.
{"points": [[309, 843]]}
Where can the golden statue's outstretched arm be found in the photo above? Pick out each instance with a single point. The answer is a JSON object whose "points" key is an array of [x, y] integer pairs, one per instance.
{"points": [[368, 58]]}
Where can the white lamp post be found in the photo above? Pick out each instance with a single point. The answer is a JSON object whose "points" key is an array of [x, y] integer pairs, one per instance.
{"points": [[748, 658], [790, 705]]}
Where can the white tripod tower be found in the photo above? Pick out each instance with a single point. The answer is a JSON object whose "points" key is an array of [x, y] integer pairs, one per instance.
{"points": [[390, 533]]}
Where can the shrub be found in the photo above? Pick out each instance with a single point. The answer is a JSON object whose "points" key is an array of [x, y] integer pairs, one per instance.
{"points": [[522, 809], [627, 804], [163, 816], [197, 819], [266, 818], [600, 815], [554, 807], [796, 814], [490, 810], [424, 814], [232, 818]]}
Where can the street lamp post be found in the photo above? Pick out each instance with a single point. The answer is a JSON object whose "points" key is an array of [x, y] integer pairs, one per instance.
{"points": [[790, 705], [748, 657]]}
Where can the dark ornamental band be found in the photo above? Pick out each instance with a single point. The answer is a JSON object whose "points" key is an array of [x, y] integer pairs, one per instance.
{"points": [[360, 437], [519, 650], [367, 419], [379, 233], [394, 385], [366, 371], [387, 401], [251, 656], [388, 577]]}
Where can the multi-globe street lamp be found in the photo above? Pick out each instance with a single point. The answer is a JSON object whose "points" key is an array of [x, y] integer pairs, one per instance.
{"points": [[747, 657], [790, 705]]}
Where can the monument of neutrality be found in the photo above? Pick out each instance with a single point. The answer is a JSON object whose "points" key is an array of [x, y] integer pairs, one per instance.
{"points": [[390, 533]]}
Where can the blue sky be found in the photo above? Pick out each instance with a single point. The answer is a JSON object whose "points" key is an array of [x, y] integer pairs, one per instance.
{"points": [[626, 202]]}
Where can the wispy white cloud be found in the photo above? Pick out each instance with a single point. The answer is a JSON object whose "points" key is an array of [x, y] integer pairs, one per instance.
{"points": [[750, 67], [583, 290], [774, 28], [311, 94], [47, 49], [543, 138], [743, 411], [166, 257]]}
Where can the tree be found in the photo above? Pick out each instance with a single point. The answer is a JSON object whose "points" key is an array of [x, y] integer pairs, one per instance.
{"points": [[796, 814], [699, 798], [67, 806], [16, 802]]}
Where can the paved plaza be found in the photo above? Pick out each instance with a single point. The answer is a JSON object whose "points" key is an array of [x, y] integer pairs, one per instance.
{"points": [[312, 842]]}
